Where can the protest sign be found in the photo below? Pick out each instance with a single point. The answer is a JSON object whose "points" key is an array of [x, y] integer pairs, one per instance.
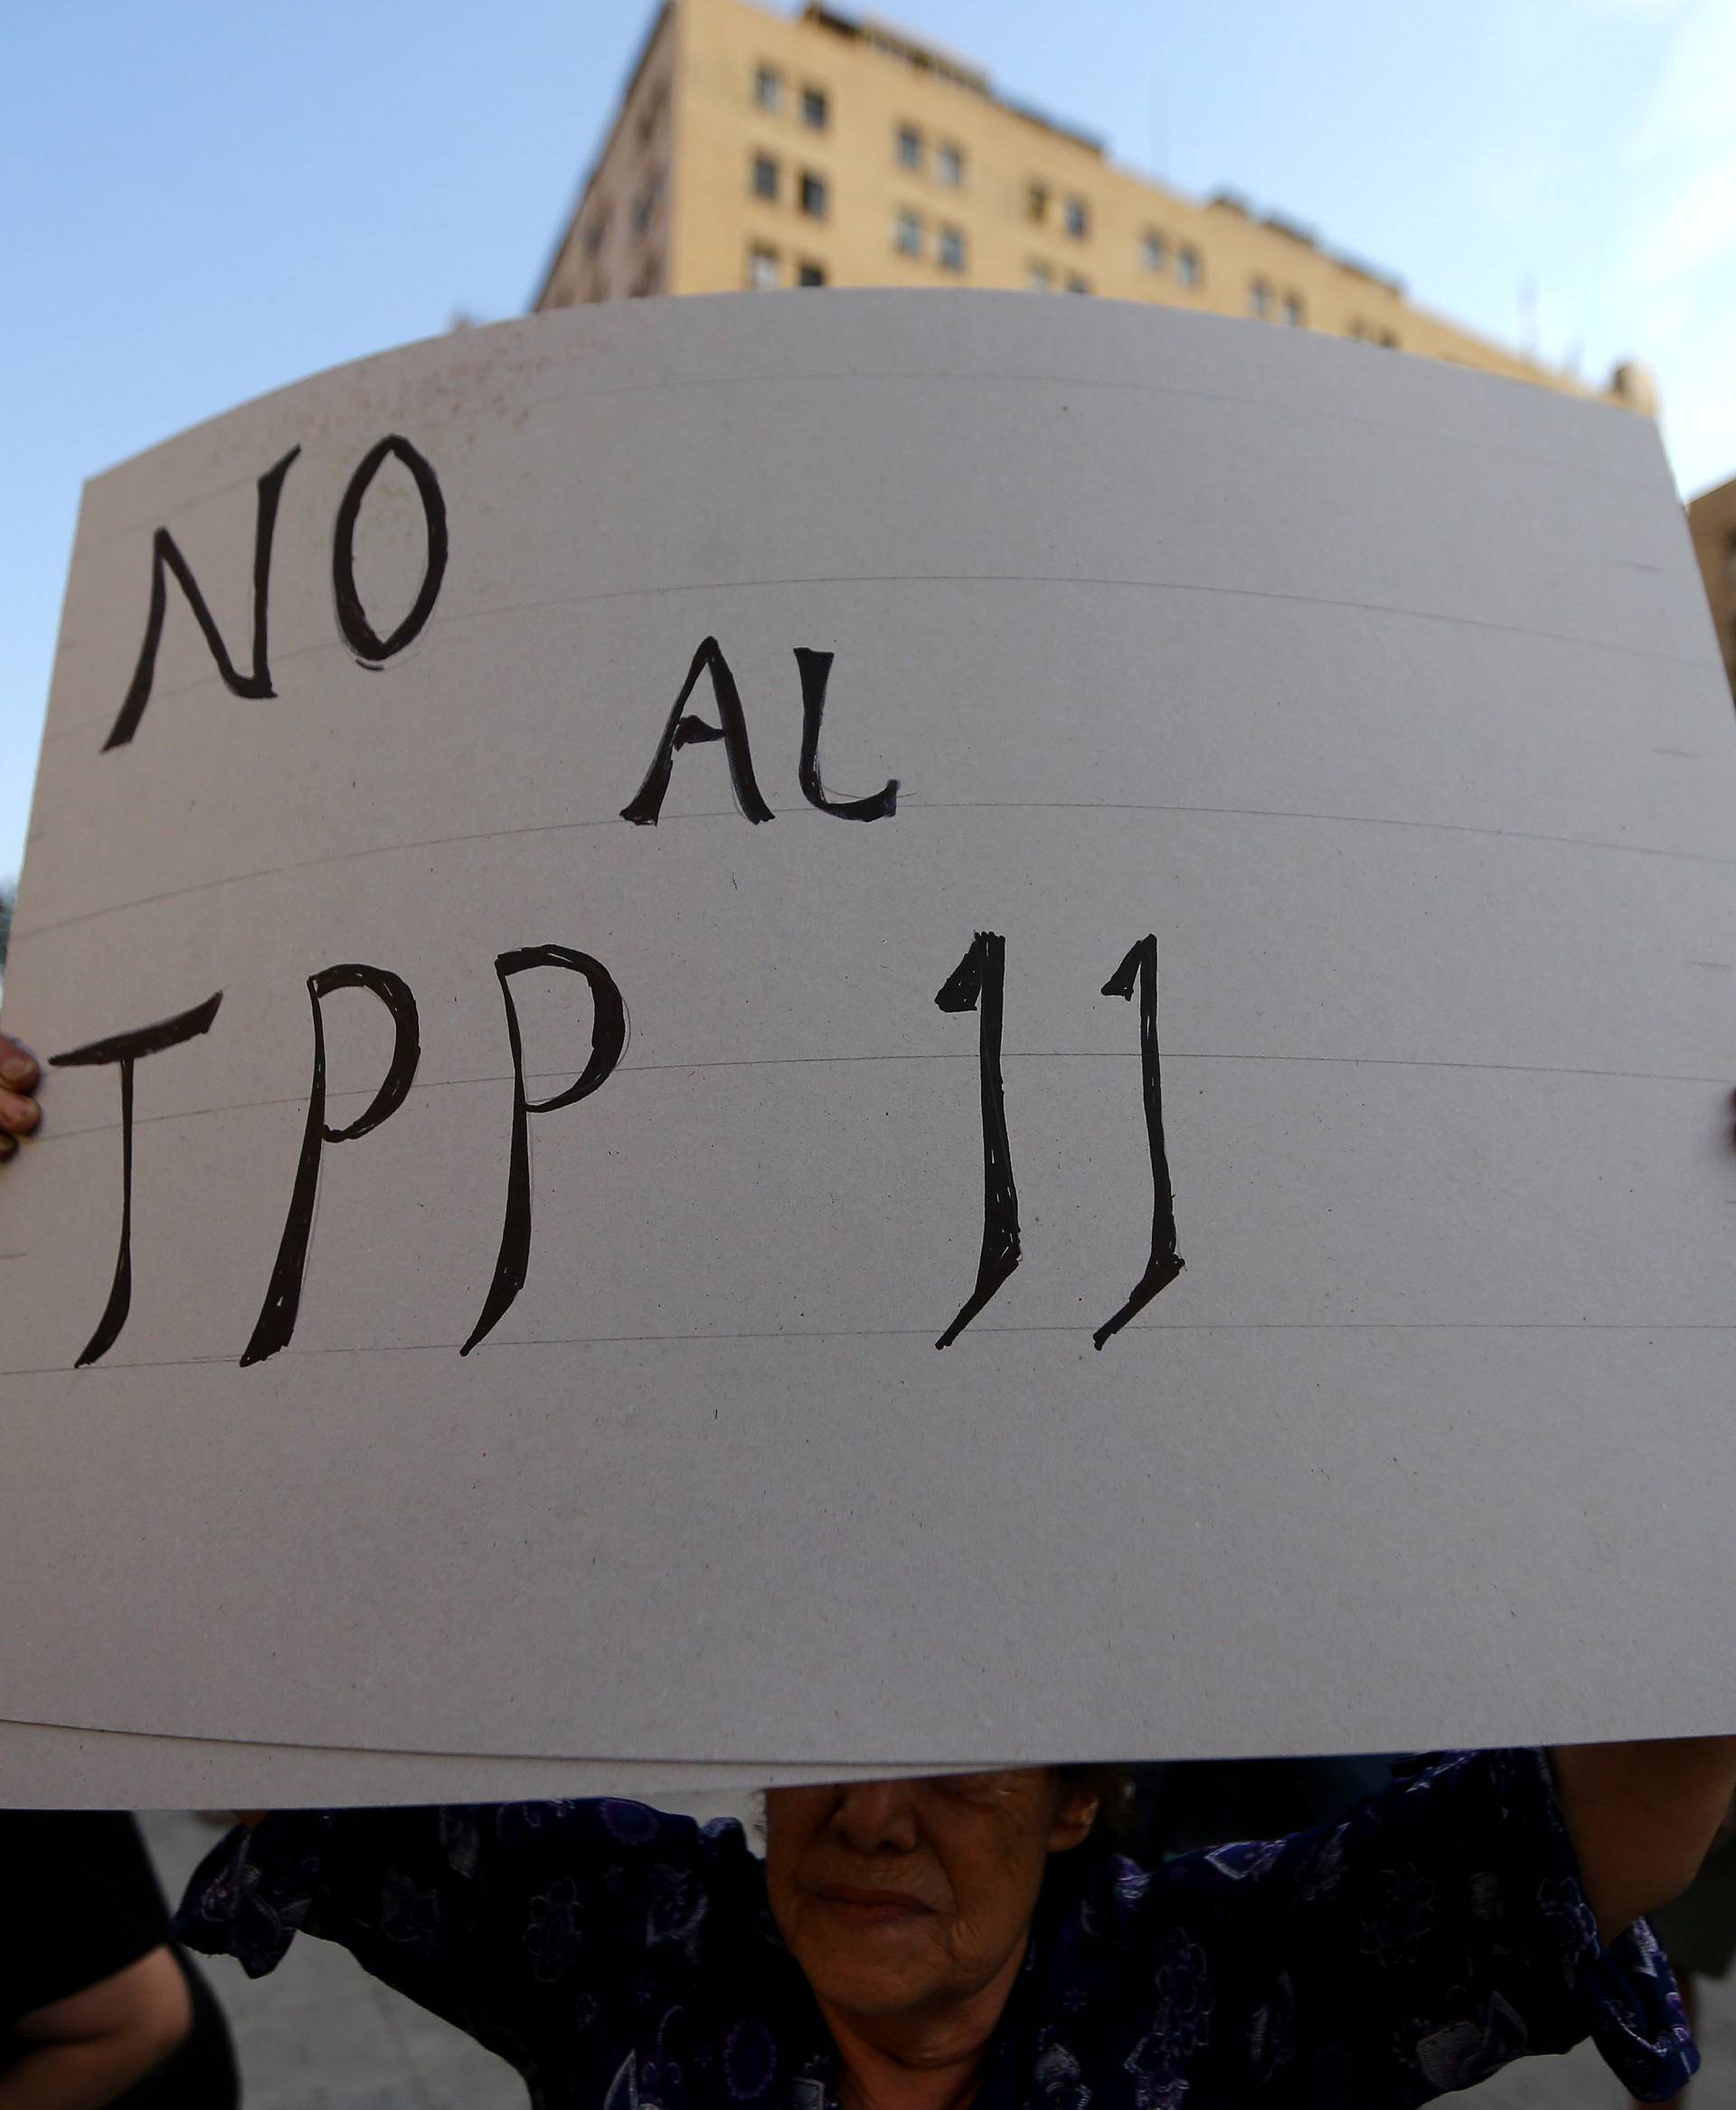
{"points": [[870, 1032]]}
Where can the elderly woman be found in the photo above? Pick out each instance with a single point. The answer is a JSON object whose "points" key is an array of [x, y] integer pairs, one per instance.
{"points": [[925, 1944], [919, 1944]]}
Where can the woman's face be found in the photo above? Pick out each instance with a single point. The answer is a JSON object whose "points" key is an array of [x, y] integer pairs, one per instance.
{"points": [[897, 1897]]}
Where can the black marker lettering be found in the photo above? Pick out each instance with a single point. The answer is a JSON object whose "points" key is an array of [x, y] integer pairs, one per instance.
{"points": [[165, 556], [1139, 970], [607, 1039], [369, 647], [732, 728], [815, 669], [126, 1049], [276, 1319], [977, 984]]}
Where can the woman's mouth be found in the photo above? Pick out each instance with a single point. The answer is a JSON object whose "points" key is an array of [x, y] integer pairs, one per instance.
{"points": [[869, 1908]]}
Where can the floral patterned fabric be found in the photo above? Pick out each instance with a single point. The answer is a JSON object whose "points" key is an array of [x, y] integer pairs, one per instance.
{"points": [[625, 1960]]}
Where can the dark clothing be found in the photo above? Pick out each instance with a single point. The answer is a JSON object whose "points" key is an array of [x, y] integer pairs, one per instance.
{"points": [[1203, 1802], [623, 1959], [79, 1902]]}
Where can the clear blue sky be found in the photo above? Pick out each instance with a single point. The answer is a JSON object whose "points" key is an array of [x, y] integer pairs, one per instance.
{"points": [[203, 201]]}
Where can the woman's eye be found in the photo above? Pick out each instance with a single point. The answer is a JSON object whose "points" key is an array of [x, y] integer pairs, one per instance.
{"points": [[973, 1787]]}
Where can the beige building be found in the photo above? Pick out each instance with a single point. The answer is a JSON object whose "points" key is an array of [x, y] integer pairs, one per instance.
{"points": [[1711, 519], [755, 149]]}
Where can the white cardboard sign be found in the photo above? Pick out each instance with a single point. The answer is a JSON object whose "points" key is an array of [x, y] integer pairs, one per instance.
{"points": [[875, 1031]]}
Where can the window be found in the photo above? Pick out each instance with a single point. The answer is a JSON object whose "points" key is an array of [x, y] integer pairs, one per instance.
{"points": [[769, 88], [644, 207], [950, 163], [1260, 297], [1075, 283], [1040, 278], [1389, 340], [813, 194], [762, 267], [765, 177], [952, 248], [1293, 310], [598, 230], [906, 233], [1076, 218], [1154, 250], [908, 147], [1190, 265], [649, 279], [1036, 203], [810, 275], [814, 108]]}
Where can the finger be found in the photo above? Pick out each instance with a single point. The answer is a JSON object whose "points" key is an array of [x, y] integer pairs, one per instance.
{"points": [[19, 1070], [8, 1144], [18, 1113]]}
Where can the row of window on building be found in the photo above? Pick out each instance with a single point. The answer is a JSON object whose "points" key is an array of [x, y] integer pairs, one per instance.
{"points": [[642, 212], [1263, 301], [910, 238], [950, 251], [1155, 254], [946, 164], [766, 181], [766, 269], [1043, 278], [944, 159], [645, 278], [813, 105], [1075, 213]]}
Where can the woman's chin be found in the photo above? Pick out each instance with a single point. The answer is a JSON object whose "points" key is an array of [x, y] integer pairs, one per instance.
{"points": [[880, 1970]]}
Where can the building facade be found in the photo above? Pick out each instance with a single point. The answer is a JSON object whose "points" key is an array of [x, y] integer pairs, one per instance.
{"points": [[1711, 521], [753, 149]]}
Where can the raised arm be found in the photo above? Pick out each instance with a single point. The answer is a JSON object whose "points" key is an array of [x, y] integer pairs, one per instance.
{"points": [[85, 2050], [543, 1929], [1641, 1817]]}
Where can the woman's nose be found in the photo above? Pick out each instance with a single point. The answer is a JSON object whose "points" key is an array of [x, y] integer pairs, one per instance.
{"points": [[877, 1816]]}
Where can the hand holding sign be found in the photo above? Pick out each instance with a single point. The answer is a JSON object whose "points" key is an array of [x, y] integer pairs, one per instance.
{"points": [[20, 1114]]}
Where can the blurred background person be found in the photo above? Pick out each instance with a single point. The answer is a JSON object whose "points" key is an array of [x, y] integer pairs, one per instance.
{"points": [[97, 2006]]}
